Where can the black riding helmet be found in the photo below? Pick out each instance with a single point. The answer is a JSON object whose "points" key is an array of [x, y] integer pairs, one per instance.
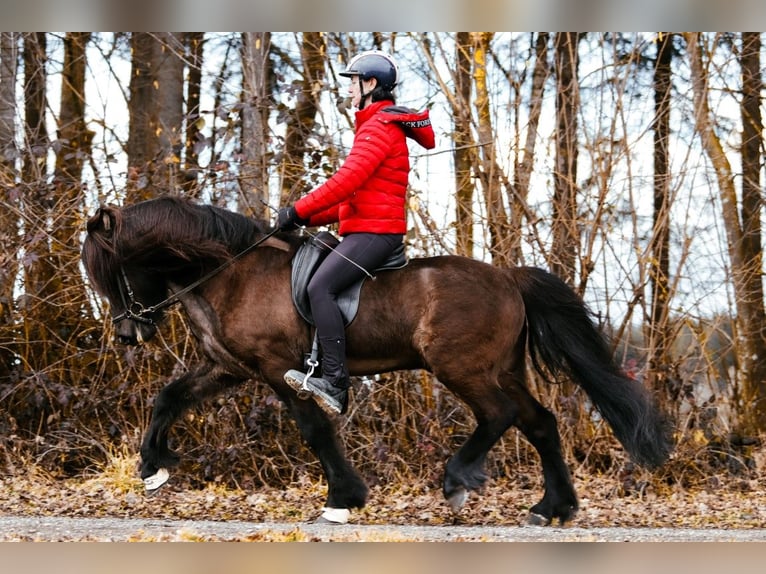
{"points": [[374, 64]]}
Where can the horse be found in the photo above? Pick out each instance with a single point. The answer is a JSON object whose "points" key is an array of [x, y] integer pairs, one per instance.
{"points": [[471, 324]]}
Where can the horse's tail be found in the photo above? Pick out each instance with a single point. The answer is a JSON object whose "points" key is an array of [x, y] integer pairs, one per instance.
{"points": [[563, 338]]}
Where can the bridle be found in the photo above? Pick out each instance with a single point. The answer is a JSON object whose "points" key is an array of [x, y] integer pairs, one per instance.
{"points": [[136, 311]]}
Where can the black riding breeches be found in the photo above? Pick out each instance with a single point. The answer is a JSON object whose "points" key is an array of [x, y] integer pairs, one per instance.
{"points": [[336, 273]]}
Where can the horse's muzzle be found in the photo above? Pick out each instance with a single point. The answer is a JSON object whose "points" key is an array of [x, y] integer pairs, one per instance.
{"points": [[129, 332]]}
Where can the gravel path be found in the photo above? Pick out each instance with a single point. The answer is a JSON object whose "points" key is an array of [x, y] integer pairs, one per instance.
{"points": [[125, 529]]}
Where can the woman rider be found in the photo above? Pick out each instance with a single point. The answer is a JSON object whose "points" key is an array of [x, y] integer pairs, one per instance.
{"points": [[367, 198]]}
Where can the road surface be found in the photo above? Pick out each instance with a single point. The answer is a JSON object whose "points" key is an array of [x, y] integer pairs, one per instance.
{"points": [[47, 528]]}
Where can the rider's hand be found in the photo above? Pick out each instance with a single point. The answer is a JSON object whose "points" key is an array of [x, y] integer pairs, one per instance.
{"points": [[288, 219]]}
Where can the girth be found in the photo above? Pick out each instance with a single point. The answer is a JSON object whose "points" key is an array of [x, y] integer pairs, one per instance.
{"points": [[305, 263]]}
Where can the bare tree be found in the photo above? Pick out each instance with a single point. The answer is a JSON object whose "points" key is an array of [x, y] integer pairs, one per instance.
{"points": [[156, 114], [523, 169], [489, 172], [751, 347], [301, 119], [8, 65], [167, 111], [9, 222], [195, 42], [751, 212], [36, 199], [564, 218], [36, 134], [72, 150], [660, 262], [139, 110], [464, 146], [256, 98]]}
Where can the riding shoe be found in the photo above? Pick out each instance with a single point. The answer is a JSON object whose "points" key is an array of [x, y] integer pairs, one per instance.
{"points": [[331, 398]]}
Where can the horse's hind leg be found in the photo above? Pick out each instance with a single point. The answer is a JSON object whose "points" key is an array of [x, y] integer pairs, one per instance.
{"points": [[539, 427], [465, 471], [173, 400]]}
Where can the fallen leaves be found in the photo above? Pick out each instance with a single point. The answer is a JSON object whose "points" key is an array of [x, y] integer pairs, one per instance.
{"points": [[732, 503]]}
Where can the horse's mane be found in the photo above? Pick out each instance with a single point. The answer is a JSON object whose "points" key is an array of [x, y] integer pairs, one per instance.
{"points": [[165, 234], [172, 227]]}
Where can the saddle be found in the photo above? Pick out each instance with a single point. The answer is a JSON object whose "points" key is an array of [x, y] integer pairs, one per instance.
{"points": [[305, 263]]}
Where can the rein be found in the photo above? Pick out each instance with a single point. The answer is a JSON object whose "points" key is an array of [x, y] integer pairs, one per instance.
{"points": [[135, 311], [330, 247]]}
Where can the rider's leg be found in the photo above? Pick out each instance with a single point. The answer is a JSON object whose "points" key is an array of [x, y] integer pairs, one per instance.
{"points": [[357, 253]]}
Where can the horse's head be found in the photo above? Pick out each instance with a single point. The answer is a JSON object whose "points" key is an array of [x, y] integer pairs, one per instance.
{"points": [[131, 289], [134, 254]]}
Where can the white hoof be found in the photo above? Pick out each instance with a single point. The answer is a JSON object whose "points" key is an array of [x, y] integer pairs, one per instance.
{"points": [[457, 500], [153, 482], [335, 515]]}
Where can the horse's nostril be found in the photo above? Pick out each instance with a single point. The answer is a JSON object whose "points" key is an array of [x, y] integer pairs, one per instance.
{"points": [[125, 340]]}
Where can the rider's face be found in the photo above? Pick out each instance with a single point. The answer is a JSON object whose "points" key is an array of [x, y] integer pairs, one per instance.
{"points": [[355, 90]]}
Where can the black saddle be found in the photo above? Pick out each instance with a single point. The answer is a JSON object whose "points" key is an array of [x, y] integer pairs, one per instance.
{"points": [[307, 259]]}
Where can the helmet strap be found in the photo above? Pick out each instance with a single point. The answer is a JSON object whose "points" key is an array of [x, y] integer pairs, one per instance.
{"points": [[362, 95]]}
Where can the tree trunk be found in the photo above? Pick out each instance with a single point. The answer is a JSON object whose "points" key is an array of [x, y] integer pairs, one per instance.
{"points": [[9, 201], [156, 137], [564, 225], [37, 200], [195, 42], [8, 65], [300, 122], [464, 151], [64, 293], [750, 343], [73, 136], [256, 71], [523, 169], [53, 285], [752, 250], [35, 163], [489, 171], [139, 112], [660, 263], [36, 196], [167, 114]]}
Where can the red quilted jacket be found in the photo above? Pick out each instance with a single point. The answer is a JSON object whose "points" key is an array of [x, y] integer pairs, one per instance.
{"points": [[367, 194]]}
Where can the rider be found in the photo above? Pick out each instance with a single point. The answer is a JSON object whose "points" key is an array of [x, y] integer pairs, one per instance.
{"points": [[366, 196]]}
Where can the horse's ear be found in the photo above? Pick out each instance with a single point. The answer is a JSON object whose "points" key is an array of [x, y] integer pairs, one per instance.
{"points": [[106, 221], [102, 222]]}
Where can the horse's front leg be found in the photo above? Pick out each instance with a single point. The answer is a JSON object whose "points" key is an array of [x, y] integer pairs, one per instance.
{"points": [[345, 488], [205, 381]]}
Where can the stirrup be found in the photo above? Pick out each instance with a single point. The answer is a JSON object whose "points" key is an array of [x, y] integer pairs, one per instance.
{"points": [[304, 391], [305, 388], [299, 382]]}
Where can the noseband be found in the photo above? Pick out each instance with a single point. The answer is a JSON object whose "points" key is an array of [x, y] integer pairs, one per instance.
{"points": [[135, 310]]}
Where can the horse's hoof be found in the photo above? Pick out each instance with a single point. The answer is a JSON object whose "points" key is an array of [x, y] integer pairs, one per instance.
{"points": [[154, 482], [333, 516], [535, 519], [457, 499]]}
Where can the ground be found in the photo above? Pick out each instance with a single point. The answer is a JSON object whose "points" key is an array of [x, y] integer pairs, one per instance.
{"points": [[723, 502]]}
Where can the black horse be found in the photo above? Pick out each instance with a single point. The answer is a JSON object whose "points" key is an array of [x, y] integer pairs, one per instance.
{"points": [[467, 322]]}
